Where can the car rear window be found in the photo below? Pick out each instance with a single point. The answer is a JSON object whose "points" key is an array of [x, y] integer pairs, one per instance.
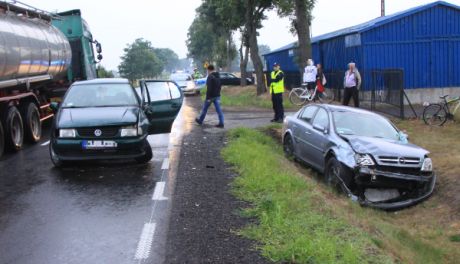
{"points": [[99, 95]]}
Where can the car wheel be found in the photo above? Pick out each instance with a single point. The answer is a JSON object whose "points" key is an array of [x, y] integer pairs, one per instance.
{"points": [[14, 129], [32, 124], [148, 153], [2, 140], [197, 92], [288, 147], [57, 162], [336, 175]]}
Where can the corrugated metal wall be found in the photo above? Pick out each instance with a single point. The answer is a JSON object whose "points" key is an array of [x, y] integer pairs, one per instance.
{"points": [[425, 45], [284, 58]]}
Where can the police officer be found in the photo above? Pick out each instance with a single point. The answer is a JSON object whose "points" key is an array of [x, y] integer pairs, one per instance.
{"points": [[196, 74], [277, 90]]}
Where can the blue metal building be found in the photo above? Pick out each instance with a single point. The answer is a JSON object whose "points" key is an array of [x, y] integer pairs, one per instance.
{"points": [[423, 41]]}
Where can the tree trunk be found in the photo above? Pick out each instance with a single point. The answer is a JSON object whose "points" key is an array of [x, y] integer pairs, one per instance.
{"points": [[229, 47], [244, 57], [258, 66], [302, 26]]}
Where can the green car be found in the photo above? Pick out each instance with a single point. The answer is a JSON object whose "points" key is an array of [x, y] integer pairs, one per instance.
{"points": [[106, 119]]}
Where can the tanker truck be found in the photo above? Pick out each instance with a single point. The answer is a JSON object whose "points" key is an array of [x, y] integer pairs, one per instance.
{"points": [[41, 54]]}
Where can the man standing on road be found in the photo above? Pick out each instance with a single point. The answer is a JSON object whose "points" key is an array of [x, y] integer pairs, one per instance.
{"points": [[309, 76], [351, 83], [277, 90], [212, 97]]}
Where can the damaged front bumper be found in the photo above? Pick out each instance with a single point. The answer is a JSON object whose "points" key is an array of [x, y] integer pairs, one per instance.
{"points": [[412, 188]]}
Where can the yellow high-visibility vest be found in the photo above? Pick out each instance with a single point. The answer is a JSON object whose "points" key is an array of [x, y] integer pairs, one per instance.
{"points": [[277, 87]]}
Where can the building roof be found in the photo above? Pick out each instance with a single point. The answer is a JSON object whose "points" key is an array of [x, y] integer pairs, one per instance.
{"points": [[377, 22]]}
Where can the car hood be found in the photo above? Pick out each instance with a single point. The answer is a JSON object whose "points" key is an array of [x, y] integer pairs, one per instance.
{"points": [[384, 147], [182, 83], [97, 116]]}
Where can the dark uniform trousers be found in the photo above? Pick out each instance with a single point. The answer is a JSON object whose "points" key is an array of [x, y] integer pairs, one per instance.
{"points": [[277, 100]]}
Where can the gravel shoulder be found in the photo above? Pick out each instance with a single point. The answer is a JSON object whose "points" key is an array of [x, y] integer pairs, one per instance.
{"points": [[204, 217]]}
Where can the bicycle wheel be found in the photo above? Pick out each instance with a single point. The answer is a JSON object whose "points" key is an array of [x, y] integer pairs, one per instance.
{"points": [[296, 96], [327, 96], [434, 115]]}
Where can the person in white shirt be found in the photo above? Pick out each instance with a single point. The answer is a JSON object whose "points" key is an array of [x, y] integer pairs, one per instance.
{"points": [[351, 84], [309, 76]]}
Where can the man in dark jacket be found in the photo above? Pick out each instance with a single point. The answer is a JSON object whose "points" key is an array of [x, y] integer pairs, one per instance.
{"points": [[212, 97]]}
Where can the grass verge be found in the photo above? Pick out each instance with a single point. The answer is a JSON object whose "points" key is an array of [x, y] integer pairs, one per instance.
{"points": [[246, 97], [287, 203], [294, 226]]}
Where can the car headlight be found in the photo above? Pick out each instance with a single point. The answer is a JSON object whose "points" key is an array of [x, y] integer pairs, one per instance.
{"points": [[191, 85], [364, 160], [129, 131], [427, 165], [67, 133]]}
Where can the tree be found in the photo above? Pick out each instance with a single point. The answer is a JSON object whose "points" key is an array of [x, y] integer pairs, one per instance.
{"points": [[254, 14], [300, 14], [103, 73], [200, 41], [168, 58], [139, 61]]}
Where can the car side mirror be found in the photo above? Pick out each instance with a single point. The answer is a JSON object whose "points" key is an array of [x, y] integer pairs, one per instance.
{"points": [[320, 128], [54, 106]]}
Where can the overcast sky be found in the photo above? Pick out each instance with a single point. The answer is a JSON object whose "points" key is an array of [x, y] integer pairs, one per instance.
{"points": [[165, 22]]}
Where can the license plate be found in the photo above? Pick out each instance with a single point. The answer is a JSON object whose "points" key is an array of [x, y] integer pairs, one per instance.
{"points": [[99, 144]]}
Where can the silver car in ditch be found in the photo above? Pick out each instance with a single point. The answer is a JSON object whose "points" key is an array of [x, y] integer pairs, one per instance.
{"points": [[361, 152]]}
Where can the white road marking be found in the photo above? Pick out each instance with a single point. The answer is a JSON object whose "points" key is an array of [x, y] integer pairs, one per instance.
{"points": [[165, 165], [158, 193], [145, 242], [46, 143]]}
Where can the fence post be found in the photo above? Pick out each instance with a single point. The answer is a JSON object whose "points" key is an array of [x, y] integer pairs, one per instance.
{"points": [[401, 92]]}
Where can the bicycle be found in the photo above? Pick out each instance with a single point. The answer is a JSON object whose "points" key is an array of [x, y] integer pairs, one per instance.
{"points": [[300, 95], [438, 113]]}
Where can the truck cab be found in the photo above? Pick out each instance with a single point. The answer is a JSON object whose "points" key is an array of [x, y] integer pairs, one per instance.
{"points": [[75, 28]]}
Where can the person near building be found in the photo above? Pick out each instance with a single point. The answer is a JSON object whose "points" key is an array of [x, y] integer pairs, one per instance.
{"points": [[309, 76], [212, 97], [351, 84], [276, 91], [320, 81]]}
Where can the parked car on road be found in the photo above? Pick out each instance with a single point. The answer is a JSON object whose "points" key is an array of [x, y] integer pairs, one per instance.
{"points": [[227, 78], [186, 83], [106, 119], [361, 152]]}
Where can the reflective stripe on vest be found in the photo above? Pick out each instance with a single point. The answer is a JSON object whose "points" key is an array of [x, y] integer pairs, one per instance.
{"points": [[277, 87]]}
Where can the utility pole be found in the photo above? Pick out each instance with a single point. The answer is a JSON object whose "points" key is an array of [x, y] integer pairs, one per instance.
{"points": [[383, 8]]}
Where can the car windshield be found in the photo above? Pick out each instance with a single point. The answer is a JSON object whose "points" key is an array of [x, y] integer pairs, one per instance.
{"points": [[362, 124], [180, 77], [100, 95]]}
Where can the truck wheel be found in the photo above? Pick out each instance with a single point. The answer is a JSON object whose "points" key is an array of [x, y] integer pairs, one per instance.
{"points": [[14, 130], [32, 124], [2, 140]]}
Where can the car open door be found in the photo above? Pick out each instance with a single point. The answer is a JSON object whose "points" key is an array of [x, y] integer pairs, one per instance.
{"points": [[162, 102]]}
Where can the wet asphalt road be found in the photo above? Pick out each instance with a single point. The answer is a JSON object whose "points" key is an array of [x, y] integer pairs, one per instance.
{"points": [[99, 212], [86, 213]]}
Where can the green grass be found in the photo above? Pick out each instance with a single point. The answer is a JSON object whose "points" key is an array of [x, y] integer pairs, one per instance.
{"points": [[246, 97], [294, 225], [454, 238]]}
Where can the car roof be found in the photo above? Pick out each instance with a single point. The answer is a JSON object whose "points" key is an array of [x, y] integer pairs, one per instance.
{"points": [[341, 108], [103, 80]]}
